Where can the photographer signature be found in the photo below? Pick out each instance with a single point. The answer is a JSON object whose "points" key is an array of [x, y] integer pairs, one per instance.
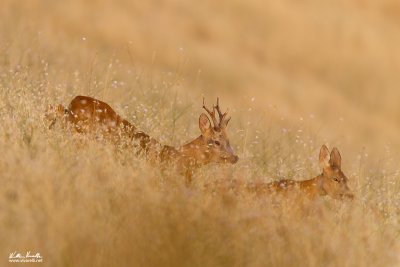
{"points": [[27, 255]]}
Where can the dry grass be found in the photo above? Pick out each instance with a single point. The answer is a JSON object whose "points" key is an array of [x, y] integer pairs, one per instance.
{"points": [[295, 74]]}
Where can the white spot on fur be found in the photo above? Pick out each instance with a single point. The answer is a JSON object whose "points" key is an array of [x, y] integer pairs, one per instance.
{"points": [[83, 101]]}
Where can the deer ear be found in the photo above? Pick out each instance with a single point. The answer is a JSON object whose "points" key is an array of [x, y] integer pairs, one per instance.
{"points": [[324, 157], [336, 158], [204, 124]]}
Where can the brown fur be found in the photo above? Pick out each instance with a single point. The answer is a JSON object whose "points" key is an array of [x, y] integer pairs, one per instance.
{"points": [[332, 181], [87, 114]]}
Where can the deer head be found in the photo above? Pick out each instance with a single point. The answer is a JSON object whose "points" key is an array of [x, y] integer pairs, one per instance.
{"points": [[334, 181], [215, 146]]}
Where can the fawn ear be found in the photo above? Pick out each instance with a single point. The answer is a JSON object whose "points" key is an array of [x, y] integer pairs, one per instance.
{"points": [[324, 157], [336, 158], [204, 124]]}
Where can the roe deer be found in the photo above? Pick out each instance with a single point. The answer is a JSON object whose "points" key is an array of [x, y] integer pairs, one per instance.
{"points": [[332, 181], [87, 114]]}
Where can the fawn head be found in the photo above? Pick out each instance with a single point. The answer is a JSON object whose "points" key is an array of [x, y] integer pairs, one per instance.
{"points": [[214, 138], [334, 181]]}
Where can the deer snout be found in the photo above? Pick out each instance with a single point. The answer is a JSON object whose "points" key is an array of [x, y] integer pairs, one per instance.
{"points": [[229, 159], [234, 159], [348, 194]]}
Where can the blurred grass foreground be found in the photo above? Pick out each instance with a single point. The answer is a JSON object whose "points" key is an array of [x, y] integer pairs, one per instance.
{"points": [[294, 75]]}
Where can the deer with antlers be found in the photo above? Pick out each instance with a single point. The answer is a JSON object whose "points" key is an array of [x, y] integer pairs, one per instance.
{"points": [[87, 114]]}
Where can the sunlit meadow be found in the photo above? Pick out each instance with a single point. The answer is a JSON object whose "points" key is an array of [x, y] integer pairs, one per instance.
{"points": [[294, 75]]}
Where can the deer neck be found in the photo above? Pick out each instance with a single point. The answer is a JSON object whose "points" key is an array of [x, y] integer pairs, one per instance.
{"points": [[185, 158], [188, 155], [314, 187], [188, 152]]}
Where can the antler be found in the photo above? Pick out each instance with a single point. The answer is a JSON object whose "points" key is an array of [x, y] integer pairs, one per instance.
{"points": [[223, 120], [211, 113]]}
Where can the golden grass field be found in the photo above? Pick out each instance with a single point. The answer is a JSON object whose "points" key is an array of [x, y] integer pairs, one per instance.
{"points": [[294, 74]]}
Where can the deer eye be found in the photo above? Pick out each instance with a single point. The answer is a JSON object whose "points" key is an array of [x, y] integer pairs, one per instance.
{"points": [[336, 179], [217, 143]]}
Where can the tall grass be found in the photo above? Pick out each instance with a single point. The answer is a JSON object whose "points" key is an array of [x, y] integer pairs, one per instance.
{"points": [[295, 75]]}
